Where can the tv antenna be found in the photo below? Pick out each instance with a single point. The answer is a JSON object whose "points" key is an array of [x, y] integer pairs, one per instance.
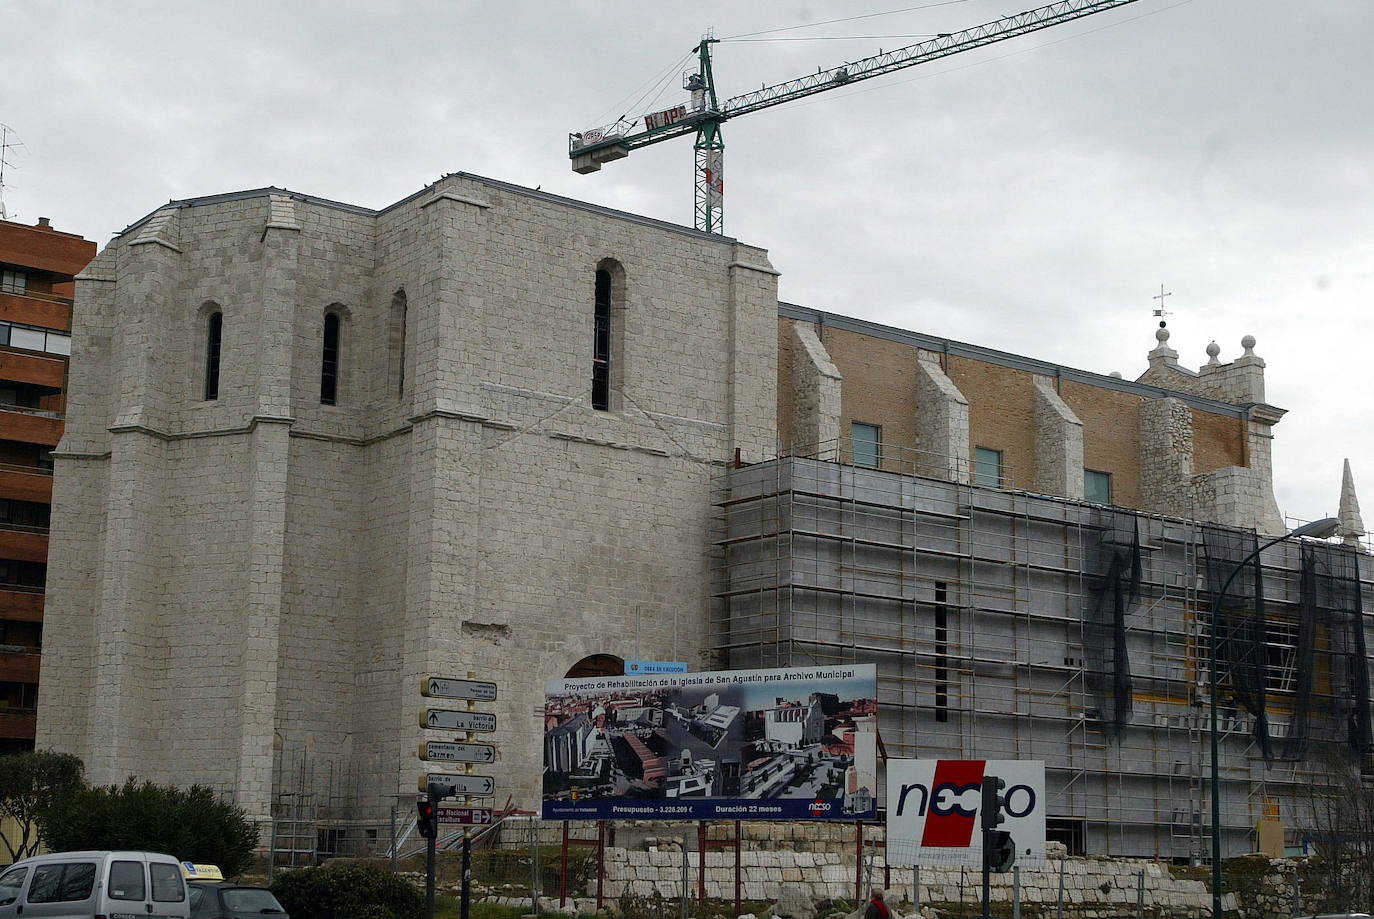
{"points": [[9, 140]]}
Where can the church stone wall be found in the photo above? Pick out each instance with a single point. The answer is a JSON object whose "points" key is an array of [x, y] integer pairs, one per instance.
{"points": [[261, 579]]}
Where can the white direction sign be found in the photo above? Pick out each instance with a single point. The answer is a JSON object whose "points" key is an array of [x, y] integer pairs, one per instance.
{"points": [[441, 752], [447, 720], [458, 784], [437, 687]]}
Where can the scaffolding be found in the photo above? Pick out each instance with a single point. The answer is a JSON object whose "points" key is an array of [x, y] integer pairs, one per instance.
{"points": [[1010, 625]]}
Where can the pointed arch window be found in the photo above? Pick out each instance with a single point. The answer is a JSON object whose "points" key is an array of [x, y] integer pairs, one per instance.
{"points": [[214, 335], [396, 338], [329, 359], [607, 333], [601, 345]]}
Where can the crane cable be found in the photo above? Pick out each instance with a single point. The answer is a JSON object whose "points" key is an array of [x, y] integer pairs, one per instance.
{"points": [[826, 22], [1001, 57]]}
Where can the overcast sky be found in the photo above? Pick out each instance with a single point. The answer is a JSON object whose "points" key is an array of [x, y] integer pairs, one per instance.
{"points": [[1031, 196]]}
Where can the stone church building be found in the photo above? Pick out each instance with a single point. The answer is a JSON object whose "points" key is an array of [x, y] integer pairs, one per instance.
{"points": [[315, 452]]}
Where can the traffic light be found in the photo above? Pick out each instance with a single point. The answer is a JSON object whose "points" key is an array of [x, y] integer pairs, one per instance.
{"points": [[426, 821], [999, 852], [990, 810]]}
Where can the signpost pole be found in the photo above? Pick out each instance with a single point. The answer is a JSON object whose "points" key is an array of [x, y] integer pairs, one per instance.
{"points": [[600, 863], [563, 870], [430, 858], [987, 873], [738, 845], [859, 892], [701, 860]]}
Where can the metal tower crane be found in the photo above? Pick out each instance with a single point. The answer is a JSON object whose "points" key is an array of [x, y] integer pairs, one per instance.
{"points": [[704, 114]]}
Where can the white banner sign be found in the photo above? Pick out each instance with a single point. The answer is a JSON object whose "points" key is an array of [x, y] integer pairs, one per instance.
{"points": [[932, 810]]}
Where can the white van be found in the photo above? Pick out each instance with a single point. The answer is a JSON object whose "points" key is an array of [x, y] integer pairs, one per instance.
{"points": [[94, 885]]}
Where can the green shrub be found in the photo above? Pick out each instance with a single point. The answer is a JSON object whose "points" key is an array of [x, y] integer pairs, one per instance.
{"points": [[192, 824], [347, 892]]}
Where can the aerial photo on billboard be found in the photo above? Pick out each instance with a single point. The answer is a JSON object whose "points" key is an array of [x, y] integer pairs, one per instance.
{"points": [[789, 744]]}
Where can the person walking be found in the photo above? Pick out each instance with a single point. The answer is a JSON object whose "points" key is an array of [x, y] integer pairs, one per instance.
{"points": [[877, 909]]}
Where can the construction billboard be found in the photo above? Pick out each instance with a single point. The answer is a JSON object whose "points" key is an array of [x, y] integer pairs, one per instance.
{"points": [[789, 744], [933, 810]]}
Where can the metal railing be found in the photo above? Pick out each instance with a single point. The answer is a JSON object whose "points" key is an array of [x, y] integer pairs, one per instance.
{"points": [[24, 409], [23, 528], [16, 467], [34, 295]]}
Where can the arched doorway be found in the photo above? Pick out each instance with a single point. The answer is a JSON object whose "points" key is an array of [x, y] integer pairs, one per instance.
{"points": [[597, 665]]}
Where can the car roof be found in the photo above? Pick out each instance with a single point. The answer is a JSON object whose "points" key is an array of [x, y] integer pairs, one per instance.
{"points": [[124, 854]]}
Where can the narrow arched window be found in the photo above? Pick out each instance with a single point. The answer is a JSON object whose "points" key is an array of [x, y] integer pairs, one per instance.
{"points": [[601, 343], [213, 339], [329, 361], [396, 336]]}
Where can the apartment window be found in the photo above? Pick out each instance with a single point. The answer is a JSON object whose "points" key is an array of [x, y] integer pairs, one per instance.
{"points": [[396, 341], [601, 343], [213, 339], [866, 443], [14, 282], [329, 361], [17, 336], [1097, 486], [29, 339], [987, 467]]}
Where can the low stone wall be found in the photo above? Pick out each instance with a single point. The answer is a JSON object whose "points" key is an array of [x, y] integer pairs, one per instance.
{"points": [[1088, 883]]}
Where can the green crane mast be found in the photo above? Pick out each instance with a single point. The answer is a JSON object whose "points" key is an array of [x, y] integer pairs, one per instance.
{"points": [[705, 114]]}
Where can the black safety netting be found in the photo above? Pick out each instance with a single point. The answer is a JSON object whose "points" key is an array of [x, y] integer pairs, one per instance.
{"points": [[1241, 669], [1331, 677], [1111, 567]]}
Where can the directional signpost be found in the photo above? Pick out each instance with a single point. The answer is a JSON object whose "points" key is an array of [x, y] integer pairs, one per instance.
{"points": [[468, 816], [435, 687], [450, 785], [444, 719], [462, 751], [437, 751]]}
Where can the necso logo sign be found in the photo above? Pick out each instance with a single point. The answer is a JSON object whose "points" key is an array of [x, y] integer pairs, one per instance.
{"points": [[948, 803]]}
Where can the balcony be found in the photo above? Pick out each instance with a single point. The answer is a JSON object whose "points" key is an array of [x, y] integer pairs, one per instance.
{"points": [[18, 723], [26, 483], [19, 665], [36, 369], [21, 604], [30, 425], [33, 308], [23, 543]]}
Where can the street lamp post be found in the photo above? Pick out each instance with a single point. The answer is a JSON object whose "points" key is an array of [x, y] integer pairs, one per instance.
{"points": [[1319, 529]]}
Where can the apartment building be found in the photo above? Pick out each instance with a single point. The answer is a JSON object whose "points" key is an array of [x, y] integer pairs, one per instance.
{"points": [[38, 266]]}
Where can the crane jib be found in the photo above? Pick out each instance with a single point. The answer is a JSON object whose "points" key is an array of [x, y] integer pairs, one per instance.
{"points": [[590, 149]]}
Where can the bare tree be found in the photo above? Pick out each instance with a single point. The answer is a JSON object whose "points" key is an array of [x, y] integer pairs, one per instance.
{"points": [[1340, 823]]}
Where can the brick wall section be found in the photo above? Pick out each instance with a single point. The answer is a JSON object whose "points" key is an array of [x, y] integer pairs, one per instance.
{"points": [[1218, 441], [1001, 415], [879, 388], [1111, 435]]}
